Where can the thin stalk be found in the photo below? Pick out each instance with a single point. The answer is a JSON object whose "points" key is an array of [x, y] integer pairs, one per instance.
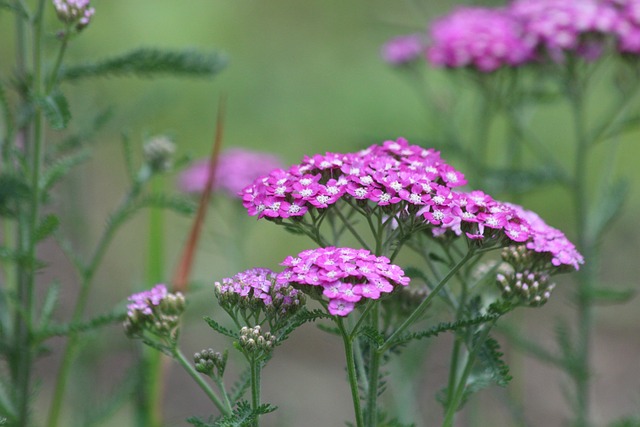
{"points": [[457, 398], [179, 357], [255, 386], [27, 273], [351, 372], [150, 403], [86, 282], [353, 231], [423, 305], [56, 67], [371, 409]]}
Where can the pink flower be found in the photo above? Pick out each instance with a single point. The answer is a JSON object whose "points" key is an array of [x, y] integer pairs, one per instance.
{"points": [[345, 275], [144, 302], [482, 38], [403, 49], [237, 168], [559, 25]]}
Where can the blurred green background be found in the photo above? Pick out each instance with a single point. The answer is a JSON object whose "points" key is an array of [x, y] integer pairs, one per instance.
{"points": [[303, 77]]}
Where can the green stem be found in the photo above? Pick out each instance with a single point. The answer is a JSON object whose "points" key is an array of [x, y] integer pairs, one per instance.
{"points": [[453, 405], [586, 276], [28, 239], [371, 414], [86, 282], [351, 371], [179, 357], [56, 67], [255, 385], [353, 231], [423, 305], [149, 404]]}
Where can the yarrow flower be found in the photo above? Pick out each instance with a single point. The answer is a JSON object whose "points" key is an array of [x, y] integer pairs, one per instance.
{"points": [[256, 289], [628, 28], [156, 310], [78, 12], [560, 25], [394, 173], [486, 39], [236, 168], [345, 276], [403, 49]]}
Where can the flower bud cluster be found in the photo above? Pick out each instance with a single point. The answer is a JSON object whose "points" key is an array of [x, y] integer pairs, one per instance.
{"points": [[255, 290], [156, 311], [529, 288], [253, 340], [158, 153], [211, 363], [78, 12]]}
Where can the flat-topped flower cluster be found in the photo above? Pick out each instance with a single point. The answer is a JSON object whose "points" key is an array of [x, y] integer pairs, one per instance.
{"points": [[523, 31], [345, 275], [389, 174], [404, 180]]}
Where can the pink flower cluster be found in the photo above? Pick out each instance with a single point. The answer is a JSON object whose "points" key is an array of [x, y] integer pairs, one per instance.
{"points": [[628, 28], [490, 38], [389, 174], [74, 11], [486, 39], [258, 284], [559, 24], [143, 302], [237, 168], [403, 49], [484, 219], [345, 275]]}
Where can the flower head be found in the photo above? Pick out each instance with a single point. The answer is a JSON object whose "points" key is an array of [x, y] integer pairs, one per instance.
{"points": [[394, 173], [237, 168], [344, 275], [158, 153], [628, 28], [256, 289], [78, 12], [155, 310], [482, 38], [560, 25], [403, 49]]}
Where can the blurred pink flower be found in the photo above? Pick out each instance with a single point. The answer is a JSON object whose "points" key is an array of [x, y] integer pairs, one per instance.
{"points": [[237, 168], [403, 49]]}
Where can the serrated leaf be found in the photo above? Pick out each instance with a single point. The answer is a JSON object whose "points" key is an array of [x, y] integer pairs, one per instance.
{"points": [[178, 204], [611, 296], [13, 189], [56, 110], [77, 327], [607, 209], [243, 415], [49, 304], [148, 62], [60, 167], [219, 328], [46, 227], [372, 335]]}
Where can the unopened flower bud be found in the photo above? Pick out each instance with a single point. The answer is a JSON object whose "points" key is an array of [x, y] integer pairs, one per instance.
{"points": [[158, 153]]}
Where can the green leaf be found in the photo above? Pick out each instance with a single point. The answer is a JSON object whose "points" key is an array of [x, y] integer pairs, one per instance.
{"points": [[47, 226], [611, 296], [240, 387], [148, 62], [78, 327], [179, 204], [243, 415], [607, 209], [13, 189], [60, 168], [56, 110], [372, 335], [219, 328], [49, 304], [303, 316]]}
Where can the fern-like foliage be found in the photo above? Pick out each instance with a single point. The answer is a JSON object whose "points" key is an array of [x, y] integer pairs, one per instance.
{"points": [[242, 416], [150, 62], [299, 319], [77, 327], [219, 328]]}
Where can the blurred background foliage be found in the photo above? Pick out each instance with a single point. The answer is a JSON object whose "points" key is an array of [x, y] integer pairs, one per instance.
{"points": [[303, 77]]}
